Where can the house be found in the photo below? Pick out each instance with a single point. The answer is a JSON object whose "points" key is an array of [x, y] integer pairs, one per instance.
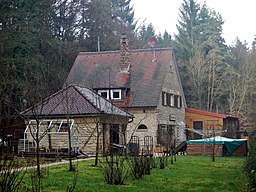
{"points": [[144, 82], [201, 124], [89, 116]]}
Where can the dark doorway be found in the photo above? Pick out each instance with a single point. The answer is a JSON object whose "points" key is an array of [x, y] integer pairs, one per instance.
{"points": [[114, 133]]}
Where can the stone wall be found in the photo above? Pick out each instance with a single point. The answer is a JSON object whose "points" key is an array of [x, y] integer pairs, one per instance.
{"points": [[152, 117], [147, 117], [173, 85]]}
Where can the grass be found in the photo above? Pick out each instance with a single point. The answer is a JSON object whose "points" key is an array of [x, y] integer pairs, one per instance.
{"points": [[188, 173]]}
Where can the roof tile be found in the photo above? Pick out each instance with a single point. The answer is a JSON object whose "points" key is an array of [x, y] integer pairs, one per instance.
{"points": [[102, 70]]}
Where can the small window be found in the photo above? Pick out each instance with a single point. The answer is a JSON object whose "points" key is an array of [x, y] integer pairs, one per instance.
{"points": [[164, 98], [198, 125], [176, 100], [104, 93], [142, 127], [116, 94], [179, 101], [171, 100]]}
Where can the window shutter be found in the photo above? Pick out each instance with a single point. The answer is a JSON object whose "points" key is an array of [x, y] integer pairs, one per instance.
{"points": [[163, 98], [168, 97], [175, 100]]}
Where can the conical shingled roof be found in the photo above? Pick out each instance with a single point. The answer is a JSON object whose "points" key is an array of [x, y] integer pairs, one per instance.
{"points": [[74, 101]]}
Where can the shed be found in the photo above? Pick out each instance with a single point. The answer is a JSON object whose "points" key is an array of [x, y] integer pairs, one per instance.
{"points": [[201, 124], [222, 146]]}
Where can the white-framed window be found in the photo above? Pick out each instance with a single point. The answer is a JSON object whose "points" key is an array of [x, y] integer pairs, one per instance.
{"points": [[104, 93], [168, 99], [115, 94], [171, 100]]}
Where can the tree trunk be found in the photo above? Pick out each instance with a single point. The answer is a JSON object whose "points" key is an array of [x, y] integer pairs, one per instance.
{"points": [[97, 144], [69, 148]]}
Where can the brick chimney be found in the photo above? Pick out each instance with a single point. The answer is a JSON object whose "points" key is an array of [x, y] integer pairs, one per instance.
{"points": [[124, 48]]}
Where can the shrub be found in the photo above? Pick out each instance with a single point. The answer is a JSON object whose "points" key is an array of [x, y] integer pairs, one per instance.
{"points": [[10, 176], [115, 171], [140, 165], [250, 164], [162, 162]]}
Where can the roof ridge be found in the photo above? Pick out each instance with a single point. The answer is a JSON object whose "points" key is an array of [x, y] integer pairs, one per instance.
{"points": [[42, 102], [94, 105], [131, 51]]}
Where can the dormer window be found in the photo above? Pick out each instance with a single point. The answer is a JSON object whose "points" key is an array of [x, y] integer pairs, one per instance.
{"points": [[116, 94], [112, 94], [104, 93]]}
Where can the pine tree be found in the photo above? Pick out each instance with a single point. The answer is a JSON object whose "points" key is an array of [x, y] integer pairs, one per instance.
{"points": [[187, 26], [144, 34], [124, 13], [165, 40], [202, 55]]}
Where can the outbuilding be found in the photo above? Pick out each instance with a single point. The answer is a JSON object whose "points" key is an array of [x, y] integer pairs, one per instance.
{"points": [[220, 146], [90, 118]]}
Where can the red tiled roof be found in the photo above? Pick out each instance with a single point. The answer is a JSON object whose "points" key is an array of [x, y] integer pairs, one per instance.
{"points": [[206, 113], [145, 80]]}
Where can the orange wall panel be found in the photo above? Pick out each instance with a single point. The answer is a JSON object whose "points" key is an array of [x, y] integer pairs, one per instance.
{"points": [[208, 121]]}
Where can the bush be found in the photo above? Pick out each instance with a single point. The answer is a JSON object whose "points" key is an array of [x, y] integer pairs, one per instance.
{"points": [[162, 162], [140, 165], [10, 176], [250, 164], [115, 171]]}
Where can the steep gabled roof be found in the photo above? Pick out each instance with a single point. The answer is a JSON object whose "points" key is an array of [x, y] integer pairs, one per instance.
{"points": [[102, 70], [74, 101]]}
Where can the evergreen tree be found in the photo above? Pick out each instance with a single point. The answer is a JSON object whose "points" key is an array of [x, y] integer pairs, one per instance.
{"points": [[202, 56], [187, 26], [124, 13], [100, 26], [123, 17], [144, 34], [29, 55], [165, 40]]}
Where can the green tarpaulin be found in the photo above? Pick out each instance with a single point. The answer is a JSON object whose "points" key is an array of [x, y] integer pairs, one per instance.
{"points": [[230, 144]]}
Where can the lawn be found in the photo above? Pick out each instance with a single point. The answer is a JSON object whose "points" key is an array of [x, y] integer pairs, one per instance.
{"points": [[188, 173]]}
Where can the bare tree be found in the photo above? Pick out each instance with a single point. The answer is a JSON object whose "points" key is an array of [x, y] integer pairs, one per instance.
{"points": [[197, 69]]}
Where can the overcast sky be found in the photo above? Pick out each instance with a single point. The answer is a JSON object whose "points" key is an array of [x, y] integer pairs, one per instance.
{"points": [[239, 16]]}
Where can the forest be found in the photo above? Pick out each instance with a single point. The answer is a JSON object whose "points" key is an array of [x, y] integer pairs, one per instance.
{"points": [[39, 41]]}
